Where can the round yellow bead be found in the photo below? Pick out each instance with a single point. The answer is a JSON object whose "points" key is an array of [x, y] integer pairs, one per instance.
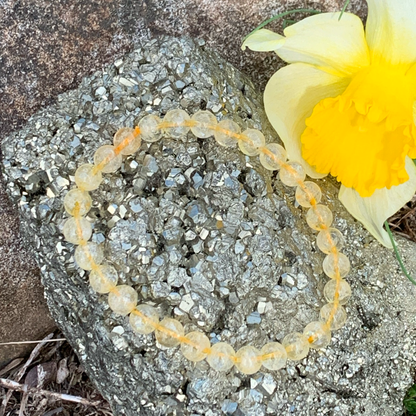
{"points": [[197, 347], [296, 346], [308, 195], [86, 179], [170, 334], [292, 173], [130, 142], [272, 156], [77, 202], [221, 356], [344, 291], [248, 360], [107, 155], [338, 320], [318, 335], [177, 119], [144, 320], [256, 140], [89, 255], [327, 240], [273, 356], [227, 132], [319, 217], [335, 263], [77, 230], [122, 299], [206, 124], [103, 278], [149, 128]]}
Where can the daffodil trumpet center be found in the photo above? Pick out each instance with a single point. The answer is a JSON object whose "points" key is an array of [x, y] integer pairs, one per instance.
{"points": [[363, 136]]}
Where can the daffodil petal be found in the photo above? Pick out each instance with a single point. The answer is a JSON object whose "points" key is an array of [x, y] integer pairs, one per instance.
{"points": [[372, 211], [290, 97], [391, 30], [263, 40], [333, 45]]}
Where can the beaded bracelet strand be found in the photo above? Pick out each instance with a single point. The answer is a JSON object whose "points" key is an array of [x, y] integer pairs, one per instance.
{"points": [[144, 319]]}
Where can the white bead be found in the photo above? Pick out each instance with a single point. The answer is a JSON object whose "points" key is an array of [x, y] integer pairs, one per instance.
{"points": [[221, 356], [170, 335], [256, 140], [89, 255], [248, 360], [77, 202], [318, 334], [319, 217], [339, 315], [335, 263], [178, 120], [227, 133], [272, 156], [107, 155], [130, 140], [122, 299], [274, 356], [143, 321], [195, 349], [292, 173], [103, 278], [296, 346], [344, 291], [87, 178], [149, 128], [206, 124], [327, 240], [308, 195], [77, 230]]}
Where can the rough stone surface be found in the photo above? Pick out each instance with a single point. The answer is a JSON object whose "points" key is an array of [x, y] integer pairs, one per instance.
{"points": [[210, 238], [47, 47]]}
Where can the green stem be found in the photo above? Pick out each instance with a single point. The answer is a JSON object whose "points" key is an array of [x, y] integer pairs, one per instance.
{"points": [[344, 8], [396, 252], [279, 16]]}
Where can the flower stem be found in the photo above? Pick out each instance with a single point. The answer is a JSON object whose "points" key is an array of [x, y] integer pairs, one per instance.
{"points": [[344, 8], [396, 252]]}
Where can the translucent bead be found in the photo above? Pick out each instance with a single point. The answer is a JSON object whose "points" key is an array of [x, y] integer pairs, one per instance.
{"points": [[149, 128], [89, 255], [86, 179], [142, 322], [103, 278], [318, 334], [334, 262], [274, 356], [177, 118], [122, 299], [108, 155], [248, 360], [329, 239], [339, 318], [319, 217], [292, 173], [273, 156], [257, 141], [170, 336], [131, 141], [344, 291], [77, 200], [77, 230], [221, 356], [296, 346], [305, 197], [206, 124], [194, 351], [225, 133]]}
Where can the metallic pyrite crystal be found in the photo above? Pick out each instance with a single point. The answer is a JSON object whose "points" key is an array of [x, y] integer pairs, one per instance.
{"points": [[208, 237]]}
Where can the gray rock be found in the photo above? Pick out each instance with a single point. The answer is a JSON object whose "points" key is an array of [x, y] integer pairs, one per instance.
{"points": [[190, 206]]}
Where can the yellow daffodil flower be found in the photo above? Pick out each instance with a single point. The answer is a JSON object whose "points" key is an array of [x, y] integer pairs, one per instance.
{"points": [[345, 105]]}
